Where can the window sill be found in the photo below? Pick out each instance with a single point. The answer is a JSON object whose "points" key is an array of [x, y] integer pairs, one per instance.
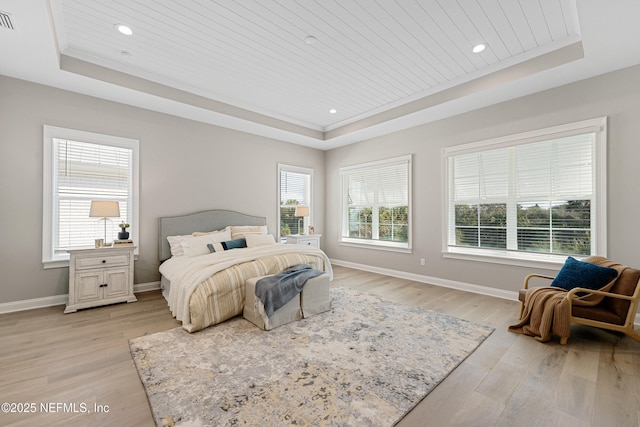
{"points": [[532, 260], [377, 245], [56, 263]]}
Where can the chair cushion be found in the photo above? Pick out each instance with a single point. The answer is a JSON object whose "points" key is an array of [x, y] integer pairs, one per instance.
{"points": [[625, 285], [581, 274], [598, 313]]}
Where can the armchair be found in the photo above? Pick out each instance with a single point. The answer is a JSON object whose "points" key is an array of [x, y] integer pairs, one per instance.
{"points": [[615, 308]]}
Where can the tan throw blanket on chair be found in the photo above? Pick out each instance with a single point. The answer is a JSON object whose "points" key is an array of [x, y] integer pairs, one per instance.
{"points": [[546, 311]]}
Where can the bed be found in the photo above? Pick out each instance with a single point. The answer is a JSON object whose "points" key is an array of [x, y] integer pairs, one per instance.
{"points": [[204, 288]]}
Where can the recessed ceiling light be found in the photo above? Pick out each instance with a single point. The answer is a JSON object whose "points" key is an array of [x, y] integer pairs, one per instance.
{"points": [[124, 29], [333, 111], [479, 48], [310, 40]]}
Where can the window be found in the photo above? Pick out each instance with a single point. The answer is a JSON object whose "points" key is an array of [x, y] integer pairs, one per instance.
{"points": [[80, 167], [294, 189], [533, 196], [376, 204]]}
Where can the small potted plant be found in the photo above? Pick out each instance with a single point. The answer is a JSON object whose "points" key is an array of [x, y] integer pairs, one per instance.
{"points": [[124, 234]]}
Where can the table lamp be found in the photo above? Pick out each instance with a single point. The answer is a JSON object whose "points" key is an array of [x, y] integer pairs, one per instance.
{"points": [[104, 209], [303, 212]]}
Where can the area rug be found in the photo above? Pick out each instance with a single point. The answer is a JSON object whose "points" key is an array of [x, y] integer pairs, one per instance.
{"points": [[366, 362]]}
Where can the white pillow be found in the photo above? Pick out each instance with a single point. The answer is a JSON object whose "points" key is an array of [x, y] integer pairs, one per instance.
{"points": [[202, 233], [175, 243], [259, 240], [238, 231], [194, 246]]}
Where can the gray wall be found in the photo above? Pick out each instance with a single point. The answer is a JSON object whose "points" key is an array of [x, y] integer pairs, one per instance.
{"points": [[188, 166], [185, 166], [616, 95]]}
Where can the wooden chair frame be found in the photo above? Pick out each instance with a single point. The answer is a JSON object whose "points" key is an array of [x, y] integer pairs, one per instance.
{"points": [[627, 327]]}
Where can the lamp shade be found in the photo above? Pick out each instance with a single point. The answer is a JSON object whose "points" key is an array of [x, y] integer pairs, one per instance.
{"points": [[301, 211], [104, 209]]}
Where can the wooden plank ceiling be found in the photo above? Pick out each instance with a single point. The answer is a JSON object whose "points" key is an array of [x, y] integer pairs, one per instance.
{"points": [[368, 55]]}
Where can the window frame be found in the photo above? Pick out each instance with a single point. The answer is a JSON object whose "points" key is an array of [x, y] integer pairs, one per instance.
{"points": [[532, 259], [49, 258], [344, 209], [300, 170]]}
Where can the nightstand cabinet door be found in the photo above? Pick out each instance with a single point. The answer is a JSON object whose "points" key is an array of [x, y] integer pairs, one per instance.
{"points": [[100, 277], [87, 286], [117, 281]]}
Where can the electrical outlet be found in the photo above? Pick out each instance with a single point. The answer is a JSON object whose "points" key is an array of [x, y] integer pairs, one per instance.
{"points": [[423, 261]]}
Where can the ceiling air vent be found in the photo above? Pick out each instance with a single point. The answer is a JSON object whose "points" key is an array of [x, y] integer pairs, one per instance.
{"points": [[5, 21]]}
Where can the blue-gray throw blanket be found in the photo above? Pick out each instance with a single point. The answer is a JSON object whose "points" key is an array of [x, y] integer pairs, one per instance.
{"points": [[277, 290]]}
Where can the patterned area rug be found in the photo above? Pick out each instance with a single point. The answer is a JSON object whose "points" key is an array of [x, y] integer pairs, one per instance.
{"points": [[367, 362]]}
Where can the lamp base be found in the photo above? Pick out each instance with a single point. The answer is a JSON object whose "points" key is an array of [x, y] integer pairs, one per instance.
{"points": [[300, 229], [107, 232]]}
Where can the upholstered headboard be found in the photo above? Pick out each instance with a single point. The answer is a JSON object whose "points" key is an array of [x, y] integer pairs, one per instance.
{"points": [[215, 219]]}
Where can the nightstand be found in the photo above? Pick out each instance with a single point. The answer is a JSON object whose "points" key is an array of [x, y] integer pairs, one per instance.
{"points": [[306, 239], [99, 277]]}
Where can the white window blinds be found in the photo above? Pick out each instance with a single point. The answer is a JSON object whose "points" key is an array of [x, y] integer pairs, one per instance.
{"points": [[385, 185], [377, 203], [86, 172], [483, 175], [294, 190], [79, 167], [561, 168], [541, 192]]}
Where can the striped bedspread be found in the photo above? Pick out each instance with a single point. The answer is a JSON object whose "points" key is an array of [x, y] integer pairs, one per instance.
{"points": [[209, 289]]}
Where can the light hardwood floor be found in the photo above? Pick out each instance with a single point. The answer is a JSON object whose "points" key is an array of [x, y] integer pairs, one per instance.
{"points": [[50, 359]]}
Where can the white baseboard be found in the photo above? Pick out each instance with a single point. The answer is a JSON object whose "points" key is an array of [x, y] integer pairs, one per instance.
{"points": [[469, 287], [146, 287], [29, 304]]}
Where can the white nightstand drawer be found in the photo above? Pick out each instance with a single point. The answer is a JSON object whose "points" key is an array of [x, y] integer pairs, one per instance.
{"points": [[83, 263], [305, 239], [308, 242]]}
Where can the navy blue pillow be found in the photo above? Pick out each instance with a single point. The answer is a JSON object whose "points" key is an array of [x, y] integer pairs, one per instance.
{"points": [[581, 274], [229, 244], [235, 244]]}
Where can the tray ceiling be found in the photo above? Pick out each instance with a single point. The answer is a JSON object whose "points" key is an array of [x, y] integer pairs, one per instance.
{"points": [[284, 65]]}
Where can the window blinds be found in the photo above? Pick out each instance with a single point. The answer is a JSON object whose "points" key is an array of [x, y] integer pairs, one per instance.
{"points": [[481, 176], [295, 190], [293, 186], [376, 208], [378, 185], [544, 190], [85, 172], [557, 169]]}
